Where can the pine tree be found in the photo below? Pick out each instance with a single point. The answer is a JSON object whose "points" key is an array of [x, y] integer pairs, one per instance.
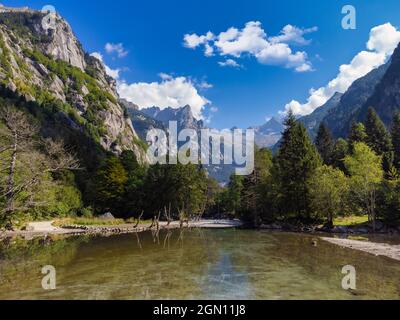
{"points": [[357, 133], [396, 140], [325, 143], [110, 183], [296, 162], [378, 139], [340, 151]]}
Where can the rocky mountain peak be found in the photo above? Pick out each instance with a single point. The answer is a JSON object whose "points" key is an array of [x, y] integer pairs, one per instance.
{"points": [[50, 66], [58, 40], [184, 116]]}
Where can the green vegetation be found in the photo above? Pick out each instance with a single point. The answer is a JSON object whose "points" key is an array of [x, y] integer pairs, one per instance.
{"points": [[357, 181], [350, 220], [81, 221], [97, 98]]}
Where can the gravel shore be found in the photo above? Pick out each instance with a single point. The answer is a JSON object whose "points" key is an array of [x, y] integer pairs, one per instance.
{"points": [[46, 228], [377, 249]]}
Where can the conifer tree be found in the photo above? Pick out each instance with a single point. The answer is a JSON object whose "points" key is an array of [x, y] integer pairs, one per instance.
{"points": [[378, 138], [357, 134], [340, 151], [110, 184], [296, 162], [325, 144], [396, 140]]}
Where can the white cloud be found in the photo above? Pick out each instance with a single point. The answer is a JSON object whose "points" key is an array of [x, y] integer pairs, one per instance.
{"points": [[292, 34], [229, 63], [170, 92], [117, 48], [113, 73], [205, 85], [192, 41], [252, 40], [383, 39]]}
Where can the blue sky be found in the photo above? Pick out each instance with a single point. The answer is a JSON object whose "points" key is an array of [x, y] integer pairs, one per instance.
{"points": [[152, 37]]}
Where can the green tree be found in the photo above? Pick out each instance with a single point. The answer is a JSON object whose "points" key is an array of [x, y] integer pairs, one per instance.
{"points": [[340, 151], [325, 143], [365, 168], [396, 140], [233, 195], [183, 188], [388, 203], [134, 197], [296, 162], [110, 185], [329, 191], [378, 138], [357, 134], [255, 196]]}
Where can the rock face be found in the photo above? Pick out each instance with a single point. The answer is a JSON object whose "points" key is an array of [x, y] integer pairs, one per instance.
{"points": [[386, 96], [183, 116], [312, 121], [269, 134], [43, 65], [343, 109], [64, 46]]}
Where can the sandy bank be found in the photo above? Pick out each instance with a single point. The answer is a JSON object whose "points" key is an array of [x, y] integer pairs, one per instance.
{"points": [[45, 228], [377, 249]]}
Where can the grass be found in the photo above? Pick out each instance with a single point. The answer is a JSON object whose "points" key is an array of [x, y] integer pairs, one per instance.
{"points": [[96, 222], [357, 238], [350, 221]]}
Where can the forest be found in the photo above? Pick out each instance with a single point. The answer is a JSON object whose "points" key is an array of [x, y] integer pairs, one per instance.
{"points": [[311, 182]]}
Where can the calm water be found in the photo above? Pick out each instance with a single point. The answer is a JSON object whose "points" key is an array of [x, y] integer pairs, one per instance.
{"points": [[197, 264]]}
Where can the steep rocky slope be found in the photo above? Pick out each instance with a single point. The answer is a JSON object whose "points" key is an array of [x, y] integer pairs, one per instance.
{"points": [[50, 68], [340, 118], [269, 134], [183, 116], [313, 120], [386, 97]]}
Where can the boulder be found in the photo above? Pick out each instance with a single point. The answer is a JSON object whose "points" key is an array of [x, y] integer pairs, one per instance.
{"points": [[107, 216]]}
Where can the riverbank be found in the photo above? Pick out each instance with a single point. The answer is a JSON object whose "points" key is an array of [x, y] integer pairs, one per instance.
{"points": [[47, 228], [377, 249], [356, 229]]}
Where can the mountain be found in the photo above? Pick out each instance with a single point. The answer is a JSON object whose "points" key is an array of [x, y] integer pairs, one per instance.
{"points": [[386, 96], [183, 116], [312, 121], [141, 121], [51, 73], [268, 135], [340, 118]]}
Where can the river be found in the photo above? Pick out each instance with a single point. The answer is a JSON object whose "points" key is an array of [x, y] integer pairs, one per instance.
{"points": [[193, 264]]}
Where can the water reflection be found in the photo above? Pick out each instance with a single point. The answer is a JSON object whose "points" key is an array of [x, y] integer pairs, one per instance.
{"points": [[193, 264]]}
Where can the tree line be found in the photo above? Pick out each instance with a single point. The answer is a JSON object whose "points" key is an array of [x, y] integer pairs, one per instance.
{"points": [[310, 182], [304, 181]]}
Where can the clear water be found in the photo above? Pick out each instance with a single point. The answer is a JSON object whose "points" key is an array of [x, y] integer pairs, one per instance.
{"points": [[193, 264]]}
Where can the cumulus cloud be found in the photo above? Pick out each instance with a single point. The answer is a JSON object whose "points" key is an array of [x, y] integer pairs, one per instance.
{"points": [[229, 63], [383, 39], [293, 35], [113, 73], [117, 48], [252, 40], [174, 92]]}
